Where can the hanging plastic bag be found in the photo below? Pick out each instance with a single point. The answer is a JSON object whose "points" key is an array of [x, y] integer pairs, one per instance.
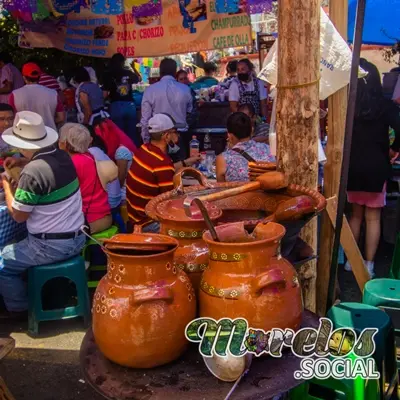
{"points": [[335, 63]]}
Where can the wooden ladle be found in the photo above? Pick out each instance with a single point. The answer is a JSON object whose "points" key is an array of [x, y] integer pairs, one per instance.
{"points": [[269, 181]]}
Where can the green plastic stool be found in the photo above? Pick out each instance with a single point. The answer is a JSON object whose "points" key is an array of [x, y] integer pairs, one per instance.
{"points": [[107, 234], [73, 269], [395, 267], [360, 316], [385, 294], [340, 389]]}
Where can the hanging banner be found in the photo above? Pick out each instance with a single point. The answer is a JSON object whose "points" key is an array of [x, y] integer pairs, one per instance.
{"points": [[149, 29]]}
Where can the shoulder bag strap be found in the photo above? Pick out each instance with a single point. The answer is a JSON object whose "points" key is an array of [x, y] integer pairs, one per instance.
{"points": [[247, 156]]}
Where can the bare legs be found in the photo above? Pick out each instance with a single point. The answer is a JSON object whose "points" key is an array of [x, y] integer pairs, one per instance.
{"points": [[373, 232], [356, 219], [372, 235]]}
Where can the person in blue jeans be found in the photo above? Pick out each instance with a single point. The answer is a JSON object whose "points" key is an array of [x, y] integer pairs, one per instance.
{"points": [[117, 86], [47, 198]]}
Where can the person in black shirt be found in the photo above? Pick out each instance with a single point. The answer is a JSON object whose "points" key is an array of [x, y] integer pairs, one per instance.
{"points": [[117, 85], [370, 159]]}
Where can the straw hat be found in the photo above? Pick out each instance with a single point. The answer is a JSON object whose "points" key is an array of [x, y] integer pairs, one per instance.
{"points": [[228, 368], [29, 132]]}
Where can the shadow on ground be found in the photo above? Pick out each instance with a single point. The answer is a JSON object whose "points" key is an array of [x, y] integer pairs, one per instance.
{"points": [[46, 367]]}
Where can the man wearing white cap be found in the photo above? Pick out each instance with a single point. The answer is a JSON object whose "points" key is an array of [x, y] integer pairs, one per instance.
{"points": [[152, 170], [47, 198]]}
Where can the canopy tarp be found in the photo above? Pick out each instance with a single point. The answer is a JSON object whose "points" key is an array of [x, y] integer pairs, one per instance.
{"points": [[382, 21]]}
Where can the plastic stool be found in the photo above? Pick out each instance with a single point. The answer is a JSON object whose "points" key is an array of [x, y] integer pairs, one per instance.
{"points": [[385, 294], [107, 234], [395, 267], [73, 269], [360, 316]]}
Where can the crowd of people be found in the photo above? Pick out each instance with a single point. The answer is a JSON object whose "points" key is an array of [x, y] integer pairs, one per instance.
{"points": [[80, 173]]}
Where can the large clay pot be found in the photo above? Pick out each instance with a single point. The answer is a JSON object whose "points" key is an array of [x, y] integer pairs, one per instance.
{"points": [[192, 253], [143, 304], [251, 207], [250, 280]]}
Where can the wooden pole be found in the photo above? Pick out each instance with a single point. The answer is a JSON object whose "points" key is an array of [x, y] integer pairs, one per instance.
{"points": [[337, 106], [298, 110]]}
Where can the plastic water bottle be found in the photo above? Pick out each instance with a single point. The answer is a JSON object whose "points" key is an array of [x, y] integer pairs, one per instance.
{"points": [[207, 142], [194, 147]]}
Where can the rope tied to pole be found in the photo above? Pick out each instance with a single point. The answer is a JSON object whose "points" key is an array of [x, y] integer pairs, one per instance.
{"points": [[300, 85]]}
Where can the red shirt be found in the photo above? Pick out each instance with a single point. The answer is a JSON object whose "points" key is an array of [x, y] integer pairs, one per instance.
{"points": [[94, 198], [151, 174], [49, 81]]}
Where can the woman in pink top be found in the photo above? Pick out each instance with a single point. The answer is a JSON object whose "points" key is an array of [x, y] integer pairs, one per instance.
{"points": [[75, 139]]}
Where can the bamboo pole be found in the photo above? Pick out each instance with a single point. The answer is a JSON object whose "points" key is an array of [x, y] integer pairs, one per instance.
{"points": [[298, 110], [338, 13]]}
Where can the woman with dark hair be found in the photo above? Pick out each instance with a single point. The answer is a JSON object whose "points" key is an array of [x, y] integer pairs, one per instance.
{"points": [[370, 160], [208, 80], [117, 86], [247, 88], [232, 164], [231, 69], [89, 99]]}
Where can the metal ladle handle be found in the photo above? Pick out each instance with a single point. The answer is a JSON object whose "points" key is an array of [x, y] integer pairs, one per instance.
{"points": [[83, 227]]}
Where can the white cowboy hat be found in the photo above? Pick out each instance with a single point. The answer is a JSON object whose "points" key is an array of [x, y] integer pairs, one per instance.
{"points": [[29, 132]]}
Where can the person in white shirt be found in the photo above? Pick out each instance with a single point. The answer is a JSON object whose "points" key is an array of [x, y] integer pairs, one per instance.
{"points": [[248, 89], [166, 97], [10, 77], [37, 98]]}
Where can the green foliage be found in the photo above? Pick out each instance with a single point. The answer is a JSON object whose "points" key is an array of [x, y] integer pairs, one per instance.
{"points": [[53, 61]]}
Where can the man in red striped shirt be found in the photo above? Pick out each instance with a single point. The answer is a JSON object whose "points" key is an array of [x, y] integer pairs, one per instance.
{"points": [[152, 171]]}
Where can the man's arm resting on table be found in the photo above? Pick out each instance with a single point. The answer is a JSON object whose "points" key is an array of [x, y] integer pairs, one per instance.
{"points": [[17, 215]]}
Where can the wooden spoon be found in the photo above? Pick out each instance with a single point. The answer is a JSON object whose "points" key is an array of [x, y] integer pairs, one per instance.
{"points": [[269, 181]]}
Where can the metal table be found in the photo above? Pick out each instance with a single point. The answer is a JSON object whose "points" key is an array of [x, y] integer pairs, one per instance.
{"points": [[188, 378]]}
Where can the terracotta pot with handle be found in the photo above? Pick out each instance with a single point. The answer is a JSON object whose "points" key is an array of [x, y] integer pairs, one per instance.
{"points": [[249, 279], [192, 253], [143, 304]]}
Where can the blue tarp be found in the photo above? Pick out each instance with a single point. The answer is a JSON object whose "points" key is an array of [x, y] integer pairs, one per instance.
{"points": [[380, 16]]}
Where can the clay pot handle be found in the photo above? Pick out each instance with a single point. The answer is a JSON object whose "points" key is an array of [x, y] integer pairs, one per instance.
{"points": [[152, 294], [267, 279], [193, 173]]}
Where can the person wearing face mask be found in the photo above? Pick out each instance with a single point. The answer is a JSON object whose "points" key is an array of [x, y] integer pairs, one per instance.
{"points": [[247, 89], [152, 170]]}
